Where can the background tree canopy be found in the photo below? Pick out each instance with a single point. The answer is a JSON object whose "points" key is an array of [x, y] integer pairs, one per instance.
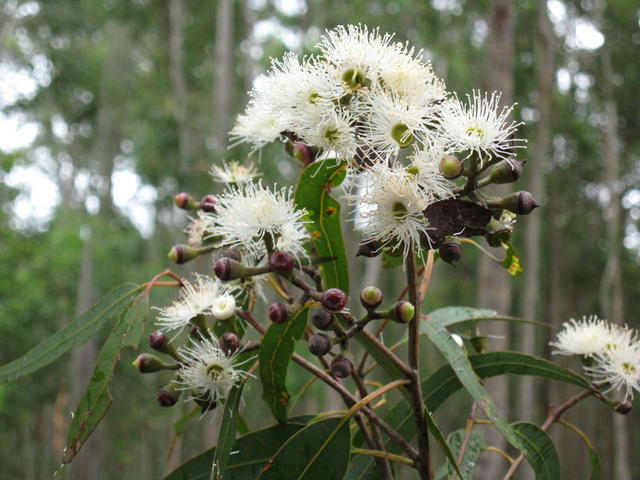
{"points": [[108, 109]]}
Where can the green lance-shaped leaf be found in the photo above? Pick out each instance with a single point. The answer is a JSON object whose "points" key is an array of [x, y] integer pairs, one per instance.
{"points": [[541, 452], [323, 217], [227, 434], [96, 399], [77, 332], [275, 353], [251, 453], [463, 369], [320, 450], [444, 383]]}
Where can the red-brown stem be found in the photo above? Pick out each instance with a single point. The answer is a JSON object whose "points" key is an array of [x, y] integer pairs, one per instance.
{"points": [[425, 468]]}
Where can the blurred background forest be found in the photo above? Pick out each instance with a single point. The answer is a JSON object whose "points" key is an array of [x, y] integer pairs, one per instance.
{"points": [[109, 108]]}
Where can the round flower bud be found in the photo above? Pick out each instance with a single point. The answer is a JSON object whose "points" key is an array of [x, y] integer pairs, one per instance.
{"points": [[166, 399], [229, 343], [223, 307], [403, 312], [506, 171], [450, 252], [334, 300], [371, 297], [319, 344], [450, 167], [624, 407], [147, 363], [321, 319], [168, 395], [278, 312], [341, 367], [227, 269], [231, 253], [158, 341], [185, 201], [208, 203], [302, 152], [282, 262]]}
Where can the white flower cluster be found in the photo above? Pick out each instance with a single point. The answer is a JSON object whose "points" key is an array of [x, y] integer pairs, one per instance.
{"points": [[612, 351], [207, 296], [370, 100]]}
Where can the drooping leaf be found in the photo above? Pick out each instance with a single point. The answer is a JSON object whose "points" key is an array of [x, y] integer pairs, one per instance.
{"points": [[320, 450], [541, 452], [473, 450], [227, 434], [253, 452], [96, 400], [439, 436], [275, 353], [323, 217], [594, 458], [77, 332]]}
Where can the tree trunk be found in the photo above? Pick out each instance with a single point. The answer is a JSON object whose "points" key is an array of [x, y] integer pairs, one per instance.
{"points": [[611, 287], [178, 80], [494, 284], [223, 71], [532, 258]]}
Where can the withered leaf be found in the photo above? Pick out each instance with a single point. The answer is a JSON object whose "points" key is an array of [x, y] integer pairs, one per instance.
{"points": [[455, 217]]}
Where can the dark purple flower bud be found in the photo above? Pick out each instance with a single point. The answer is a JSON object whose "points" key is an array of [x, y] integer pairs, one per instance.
{"points": [[624, 407], [147, 363], [341, 367], [371, 297], [158, 341], [229, 343], [334, 300], [282, 262], [319, 344], [168, 395], [321, 319], [227, 269], [369, 249], [451, 252], [208, 203], [278, 312]]}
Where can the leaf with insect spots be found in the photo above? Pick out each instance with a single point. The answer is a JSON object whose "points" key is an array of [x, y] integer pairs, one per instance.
{"points": [[323, 219]]}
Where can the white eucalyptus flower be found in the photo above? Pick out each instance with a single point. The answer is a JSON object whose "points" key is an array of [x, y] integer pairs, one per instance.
{"points": [[618, 367], [194, 299], [207, 372], [392, 122], [389, 205], [258, 125], [479, 127], [248, 213], [233, 172], [403, 71], [334, 132], [355, 51], [586, 337]]}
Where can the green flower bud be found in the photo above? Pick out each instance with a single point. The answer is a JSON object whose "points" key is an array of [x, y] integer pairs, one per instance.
{"points": [[451, 167], [506, 171], [185, 201], [227, 269], [521, 203], [147, 363], [371, 297], [184, 253]]}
